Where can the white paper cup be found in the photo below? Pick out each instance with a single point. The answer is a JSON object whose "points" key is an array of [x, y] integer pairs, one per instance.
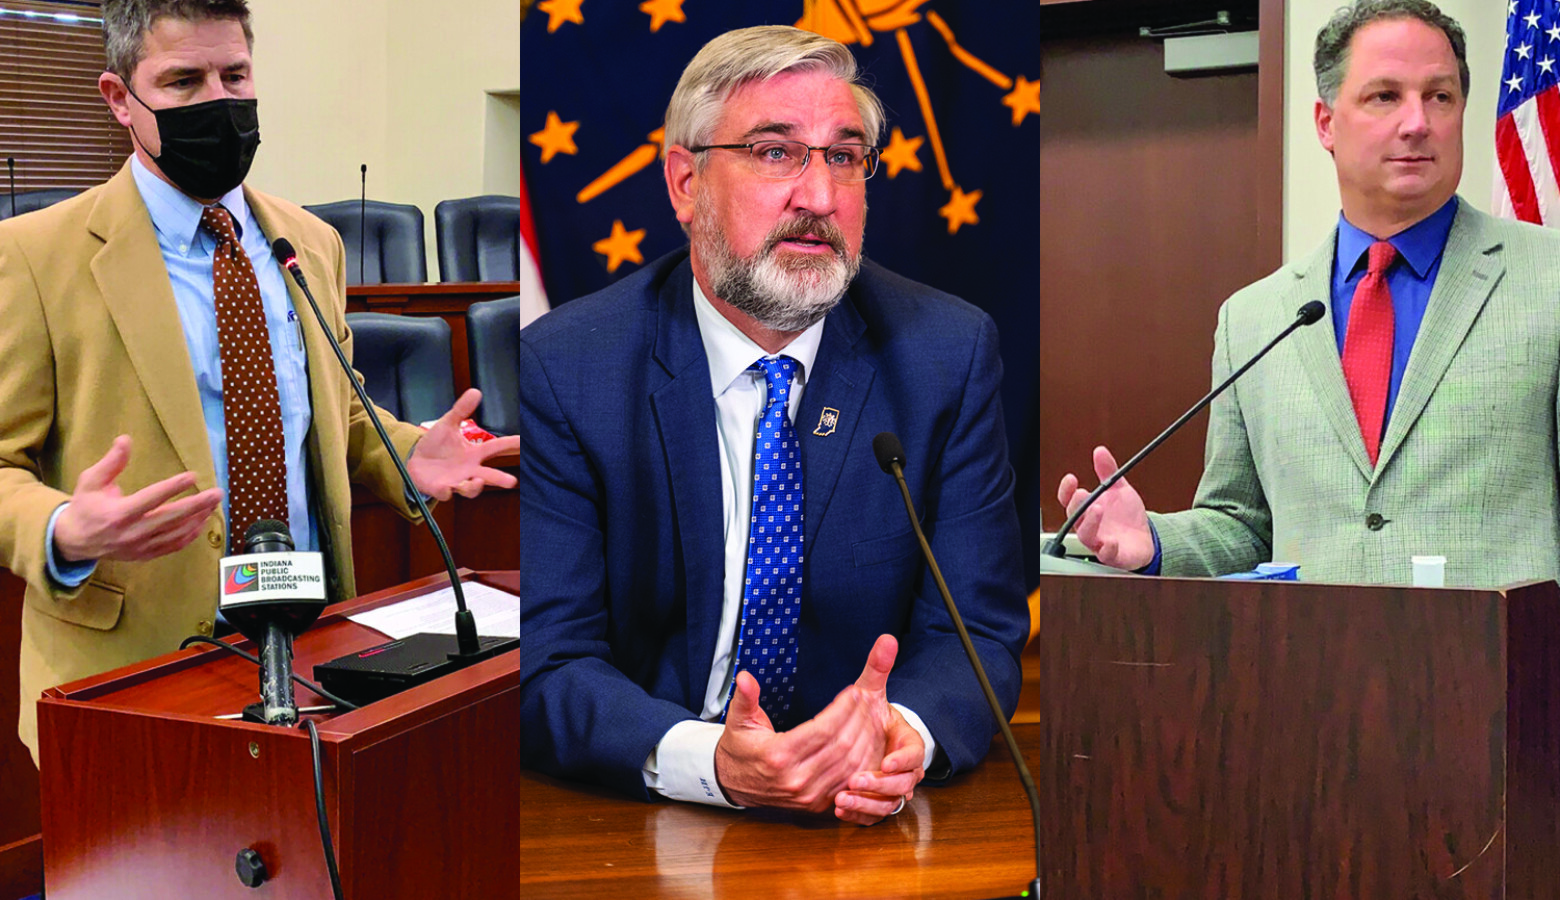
{"points": [[1429, 571]]}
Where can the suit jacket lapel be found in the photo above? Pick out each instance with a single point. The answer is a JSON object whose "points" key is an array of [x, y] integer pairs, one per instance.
{"points": [[837, 385], [1469, 270], [134, 285], [684, 408], [1318, 348]]}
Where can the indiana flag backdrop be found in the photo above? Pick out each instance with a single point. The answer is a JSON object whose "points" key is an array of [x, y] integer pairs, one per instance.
{"points": [[955, 203], [1527, 116]]}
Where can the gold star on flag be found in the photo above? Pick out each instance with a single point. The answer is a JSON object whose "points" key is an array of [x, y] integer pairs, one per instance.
{"points": [[620, 246], [1024, 99], [900, 153], [557, 137], [663, 11], [960, 209], [560, 11]]}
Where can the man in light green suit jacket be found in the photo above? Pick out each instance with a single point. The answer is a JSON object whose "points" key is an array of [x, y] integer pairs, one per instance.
{"points": [[1464, 462]]}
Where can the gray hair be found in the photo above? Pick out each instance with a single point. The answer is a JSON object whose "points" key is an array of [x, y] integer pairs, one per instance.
{"points": [[1332, 42], [127, 22], [757, 54]]}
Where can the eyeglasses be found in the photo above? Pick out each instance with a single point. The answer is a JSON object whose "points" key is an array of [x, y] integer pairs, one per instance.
{"points": [[787, 159]]}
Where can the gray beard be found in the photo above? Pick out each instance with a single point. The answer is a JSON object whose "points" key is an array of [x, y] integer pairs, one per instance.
{"points": [[783, 292]]}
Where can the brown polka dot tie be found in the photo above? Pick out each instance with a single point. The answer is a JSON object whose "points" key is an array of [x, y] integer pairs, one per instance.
{"points": [[251, 410]]}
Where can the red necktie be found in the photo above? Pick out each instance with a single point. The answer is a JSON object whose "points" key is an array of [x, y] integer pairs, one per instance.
{"points": [[251, 408], [1367, 347]]}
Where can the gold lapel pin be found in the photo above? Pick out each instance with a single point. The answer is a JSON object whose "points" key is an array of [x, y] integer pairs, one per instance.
{"points": [[827, 421]]}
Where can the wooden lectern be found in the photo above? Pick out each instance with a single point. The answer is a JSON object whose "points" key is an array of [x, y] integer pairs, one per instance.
{"points": [[147, 795], [1210, 739]]}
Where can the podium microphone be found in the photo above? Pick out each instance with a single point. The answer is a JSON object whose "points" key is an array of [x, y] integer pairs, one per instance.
{"points": [[1309, 314], [362, 222], [271, 593], [890, 455], [381, 671]]}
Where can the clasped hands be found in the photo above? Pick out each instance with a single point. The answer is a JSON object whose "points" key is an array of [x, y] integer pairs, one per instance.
{"points": [[102, 522], [858, 755]]}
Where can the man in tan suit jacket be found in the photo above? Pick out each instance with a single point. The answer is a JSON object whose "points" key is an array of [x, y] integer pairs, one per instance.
{"points": [[100, 413]]}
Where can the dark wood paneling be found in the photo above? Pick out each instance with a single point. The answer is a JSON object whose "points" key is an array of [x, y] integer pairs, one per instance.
{"points": [[21, 865], [483, 533], [1159, 197], [1208, 740], [21, 860], [968, 839]]}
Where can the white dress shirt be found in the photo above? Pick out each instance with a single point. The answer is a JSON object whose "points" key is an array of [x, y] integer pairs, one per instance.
{"points": [[682, 765]]}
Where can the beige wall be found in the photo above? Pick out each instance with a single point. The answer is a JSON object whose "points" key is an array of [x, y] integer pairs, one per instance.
{"points": [[1310, 185], [422, 91]]}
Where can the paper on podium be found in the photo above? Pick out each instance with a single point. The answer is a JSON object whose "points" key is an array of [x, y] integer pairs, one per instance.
{"points": [[497, 613]]}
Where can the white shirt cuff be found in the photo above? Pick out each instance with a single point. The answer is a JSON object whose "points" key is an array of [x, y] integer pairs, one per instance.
{"points": [[682, 765], [920, 728]]}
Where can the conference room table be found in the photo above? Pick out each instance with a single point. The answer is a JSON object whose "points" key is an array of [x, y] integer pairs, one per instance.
{"points": [[970, 838]]}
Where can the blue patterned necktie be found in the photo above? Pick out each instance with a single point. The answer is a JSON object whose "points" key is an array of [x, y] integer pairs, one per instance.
{"points": [[772, 591]]}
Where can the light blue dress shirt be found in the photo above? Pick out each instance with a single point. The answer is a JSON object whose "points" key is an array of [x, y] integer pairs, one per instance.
{"points": [[187, 252]]}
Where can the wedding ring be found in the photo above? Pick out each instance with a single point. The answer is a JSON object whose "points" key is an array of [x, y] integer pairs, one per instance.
{"points": [[898, 808]]}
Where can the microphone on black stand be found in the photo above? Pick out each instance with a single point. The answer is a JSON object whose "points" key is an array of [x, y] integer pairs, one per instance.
{"points": [[890, 455], [10, 165], [1309, 314], [423, 656], [362, 221], [271, 593]]}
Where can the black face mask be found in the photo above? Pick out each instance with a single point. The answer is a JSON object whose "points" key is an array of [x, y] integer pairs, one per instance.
{"points": [[207, 148]]}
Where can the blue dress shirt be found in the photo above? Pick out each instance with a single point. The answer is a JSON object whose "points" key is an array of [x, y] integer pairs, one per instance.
{"points": [[187, 252], [1411, 278]]}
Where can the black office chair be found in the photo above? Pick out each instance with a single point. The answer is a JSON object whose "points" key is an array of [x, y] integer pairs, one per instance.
{"points": [[395, 253], [405, 363], [31, 201], [478, 238], [493, 337]]}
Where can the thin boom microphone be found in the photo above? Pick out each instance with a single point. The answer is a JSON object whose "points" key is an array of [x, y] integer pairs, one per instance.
{"points": [[362, 222], [890, 455], [1308, 314], [10, 165], [465, 622]]}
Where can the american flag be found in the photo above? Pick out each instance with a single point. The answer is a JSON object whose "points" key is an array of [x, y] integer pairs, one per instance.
{"points": [[1527, 123]]}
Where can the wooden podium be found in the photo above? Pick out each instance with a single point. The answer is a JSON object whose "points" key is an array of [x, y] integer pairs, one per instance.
{"points": [[147, 795], [1205, 739]]}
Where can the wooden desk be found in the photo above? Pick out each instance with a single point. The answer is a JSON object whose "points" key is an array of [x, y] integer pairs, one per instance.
{"points": [[447, 300], [971, 838]]}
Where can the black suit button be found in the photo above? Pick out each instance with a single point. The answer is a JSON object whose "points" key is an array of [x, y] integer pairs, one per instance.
{"points": [[1374, 521]]}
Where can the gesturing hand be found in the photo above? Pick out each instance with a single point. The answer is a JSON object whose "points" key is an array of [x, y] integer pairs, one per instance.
{"points": [[858, 755], [444, 462], [873, 794], [100, 522], [1116, 527]]}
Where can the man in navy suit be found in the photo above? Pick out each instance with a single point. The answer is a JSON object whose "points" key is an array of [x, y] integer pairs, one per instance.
{"points": [[723, 601]]}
